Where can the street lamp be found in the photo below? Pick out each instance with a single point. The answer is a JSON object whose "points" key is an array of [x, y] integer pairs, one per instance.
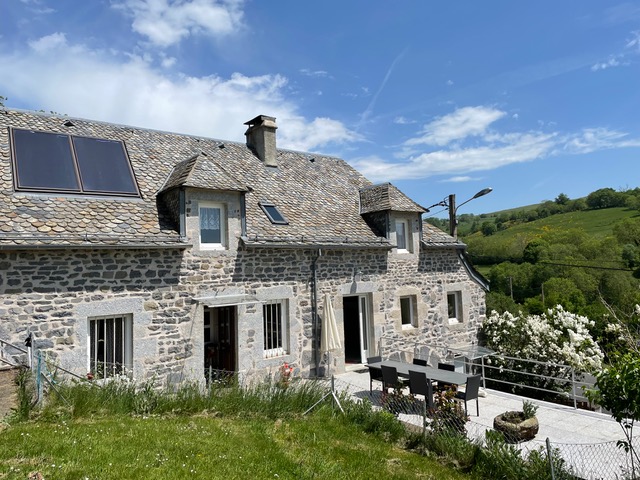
{"points": [[451, 203]]}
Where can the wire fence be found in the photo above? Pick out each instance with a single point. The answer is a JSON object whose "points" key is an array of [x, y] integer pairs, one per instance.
{"points": [[444, 429]]}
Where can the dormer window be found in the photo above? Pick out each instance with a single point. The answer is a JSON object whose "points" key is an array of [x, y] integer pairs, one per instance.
{"points": [[213, 226], [273, 214], [403, 236]]}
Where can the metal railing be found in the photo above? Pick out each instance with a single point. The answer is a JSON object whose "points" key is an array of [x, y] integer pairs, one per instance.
{"points": [[531, 375], [9, 358]]}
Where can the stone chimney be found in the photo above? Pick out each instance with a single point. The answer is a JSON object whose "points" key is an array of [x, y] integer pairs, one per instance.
{"points": [[261, 139]]}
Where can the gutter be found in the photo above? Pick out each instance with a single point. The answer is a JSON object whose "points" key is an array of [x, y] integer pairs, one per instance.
{"points": [[473, 273]]}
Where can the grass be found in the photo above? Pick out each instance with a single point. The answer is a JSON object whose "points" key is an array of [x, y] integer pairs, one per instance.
{"points": [[125, 431], [124, 447]]}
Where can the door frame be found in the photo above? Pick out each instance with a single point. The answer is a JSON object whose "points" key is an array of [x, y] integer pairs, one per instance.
{"points": [[215, 347], [365, 324]]}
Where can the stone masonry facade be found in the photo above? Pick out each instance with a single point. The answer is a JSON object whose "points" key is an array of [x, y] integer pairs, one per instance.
{"points": [[54, 294]]}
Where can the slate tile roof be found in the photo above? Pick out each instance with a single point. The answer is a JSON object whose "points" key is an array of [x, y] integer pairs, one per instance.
{"points": [[201, 172], [319, 195], [435, 238], [383, 197]]}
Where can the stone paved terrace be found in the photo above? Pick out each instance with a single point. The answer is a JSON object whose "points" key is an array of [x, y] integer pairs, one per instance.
{"points": [[586, 440]]}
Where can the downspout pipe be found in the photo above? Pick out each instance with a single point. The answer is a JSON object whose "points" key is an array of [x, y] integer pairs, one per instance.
{"points": [[315, 327]]}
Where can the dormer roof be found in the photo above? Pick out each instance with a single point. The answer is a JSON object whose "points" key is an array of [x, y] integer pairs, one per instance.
{"points": [[384, 197]]}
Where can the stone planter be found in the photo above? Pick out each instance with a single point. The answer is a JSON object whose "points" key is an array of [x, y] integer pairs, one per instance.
{"points": [[515, 428]]}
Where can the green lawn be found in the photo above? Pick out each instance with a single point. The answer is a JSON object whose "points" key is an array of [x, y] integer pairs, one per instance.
{"points": [[321, 446]]}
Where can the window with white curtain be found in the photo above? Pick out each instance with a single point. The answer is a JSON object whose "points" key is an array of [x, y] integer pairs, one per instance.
{"points": [[403, 236], [213, 229]]}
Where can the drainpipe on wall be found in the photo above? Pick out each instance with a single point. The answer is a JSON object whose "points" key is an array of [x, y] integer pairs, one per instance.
{"points": [[315, 338], [183, 214]]}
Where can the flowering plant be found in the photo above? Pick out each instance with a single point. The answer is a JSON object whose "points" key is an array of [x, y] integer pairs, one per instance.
{"points": [[556, 338], [285, 375]]}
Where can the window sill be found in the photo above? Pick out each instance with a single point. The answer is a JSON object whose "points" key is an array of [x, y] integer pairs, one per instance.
{"points": [[275, 353], [212, 246], [408, 326]]}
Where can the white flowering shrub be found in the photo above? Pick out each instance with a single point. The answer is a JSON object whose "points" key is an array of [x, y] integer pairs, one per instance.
{"points": [[556, 337]]}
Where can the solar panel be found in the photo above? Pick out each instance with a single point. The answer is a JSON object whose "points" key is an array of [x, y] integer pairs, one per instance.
{"points": [[44, 161], [53, 162], [104, 166]]}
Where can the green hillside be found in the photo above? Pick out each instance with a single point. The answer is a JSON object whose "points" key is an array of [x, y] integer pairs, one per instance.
{"points": [[595, 223]]}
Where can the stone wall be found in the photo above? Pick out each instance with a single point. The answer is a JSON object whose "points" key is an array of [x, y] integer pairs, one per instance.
{"points": [[54, 293]]}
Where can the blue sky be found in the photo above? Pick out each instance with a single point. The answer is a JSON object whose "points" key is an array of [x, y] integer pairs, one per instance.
{"points": [[530, 98]]}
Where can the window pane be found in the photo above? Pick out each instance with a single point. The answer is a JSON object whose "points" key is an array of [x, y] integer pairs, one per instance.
{"points": [[451, 305], [210, 231], [401, 236], [405, 310], [110, 346], [274, 214], [44, 161], [104, 166], [272, 322]]}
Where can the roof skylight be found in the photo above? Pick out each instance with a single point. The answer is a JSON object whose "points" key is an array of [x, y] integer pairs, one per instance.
{"points": [[273, 214]]}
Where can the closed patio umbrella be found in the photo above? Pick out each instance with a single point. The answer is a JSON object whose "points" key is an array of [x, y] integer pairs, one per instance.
{"points": [[329, 339]]}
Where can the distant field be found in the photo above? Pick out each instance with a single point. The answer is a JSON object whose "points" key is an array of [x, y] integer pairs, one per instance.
{"points": [[596, 223], [509, 244]]}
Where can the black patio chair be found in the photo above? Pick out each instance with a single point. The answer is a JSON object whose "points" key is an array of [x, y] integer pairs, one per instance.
{"points": [[375, 373], [419, 384], [471, 391], [450, 368], [390, 379], [419, 361], [447, 366]]}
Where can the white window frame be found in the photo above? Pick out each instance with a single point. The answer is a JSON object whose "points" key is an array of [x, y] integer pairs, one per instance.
{"points": [[222, 245], [454, 299], [408, 243], [410, 301], [275, 344], [100, 329]]}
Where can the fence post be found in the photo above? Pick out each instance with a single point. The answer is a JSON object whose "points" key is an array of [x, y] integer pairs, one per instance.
{"points": [[38, 380], [550, 457], [573, 387]]}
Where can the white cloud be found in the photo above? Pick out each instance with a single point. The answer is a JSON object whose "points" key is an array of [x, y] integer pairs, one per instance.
{"points": [[301, 135], [449, 82], [490, 151], [464, 122], [403, 121], [593, 139], [634, 43], [167, 22], [133, 92], [314, 73], [49, 42], [168, 62], [612, 62], [461, 179]]}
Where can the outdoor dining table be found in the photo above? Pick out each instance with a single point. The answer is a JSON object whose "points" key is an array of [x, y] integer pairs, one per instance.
{"points": [[434, 374]]}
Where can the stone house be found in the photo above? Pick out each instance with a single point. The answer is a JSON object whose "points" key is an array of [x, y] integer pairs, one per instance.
{"points": [[161, 254]]}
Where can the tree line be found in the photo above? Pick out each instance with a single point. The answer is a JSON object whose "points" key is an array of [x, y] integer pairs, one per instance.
{"points": [[530, 272]]}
